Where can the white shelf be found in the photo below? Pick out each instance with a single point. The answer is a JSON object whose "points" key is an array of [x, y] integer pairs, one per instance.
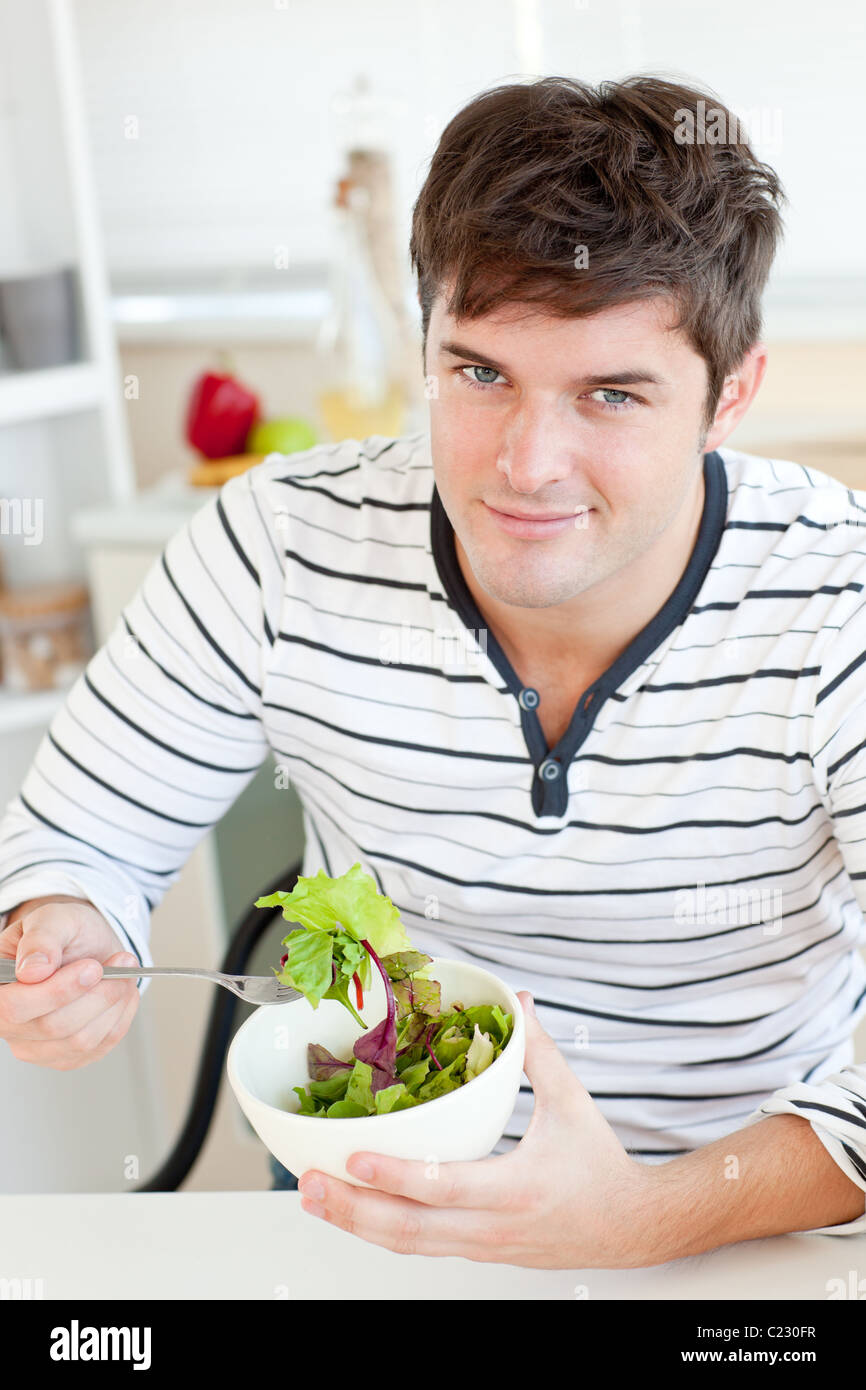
{"points": [[64, 435], [38, 395], [21, 710], [262, 316]]}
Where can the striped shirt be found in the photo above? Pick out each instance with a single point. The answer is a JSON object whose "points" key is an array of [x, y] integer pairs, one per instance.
{"points": [[680, 881]]}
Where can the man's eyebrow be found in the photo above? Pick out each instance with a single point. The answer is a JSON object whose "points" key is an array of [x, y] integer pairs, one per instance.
{"points": [[627, 376]]}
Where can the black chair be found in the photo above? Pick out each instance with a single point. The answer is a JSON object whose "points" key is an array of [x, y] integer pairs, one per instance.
{"points": [[189, 1145]]}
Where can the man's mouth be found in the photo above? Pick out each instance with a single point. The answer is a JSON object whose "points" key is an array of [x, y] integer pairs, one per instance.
{"points": [[537, 525]]}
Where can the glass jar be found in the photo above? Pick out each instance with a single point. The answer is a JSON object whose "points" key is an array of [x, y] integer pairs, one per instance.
{"points": [[359, 343], [45, 636]]}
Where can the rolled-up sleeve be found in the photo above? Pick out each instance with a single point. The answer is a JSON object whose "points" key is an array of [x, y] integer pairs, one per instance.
{"points": [[836, 1110], [162, 731], [836, 1106]]}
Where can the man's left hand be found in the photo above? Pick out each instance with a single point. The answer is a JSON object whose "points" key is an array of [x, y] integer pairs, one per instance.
{"points": [[567, 1197]]}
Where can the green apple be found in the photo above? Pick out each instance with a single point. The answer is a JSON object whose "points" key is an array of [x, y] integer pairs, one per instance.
{"points": [[286, 435]]}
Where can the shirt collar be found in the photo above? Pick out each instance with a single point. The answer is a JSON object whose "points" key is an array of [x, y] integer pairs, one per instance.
{"points": [[669, 616]]}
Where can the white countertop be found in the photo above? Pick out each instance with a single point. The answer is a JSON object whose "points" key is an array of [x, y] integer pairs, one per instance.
{"points": [[261, 1245]]}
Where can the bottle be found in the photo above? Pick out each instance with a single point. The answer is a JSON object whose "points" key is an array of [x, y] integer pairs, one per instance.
{"points": [[359, 341]]}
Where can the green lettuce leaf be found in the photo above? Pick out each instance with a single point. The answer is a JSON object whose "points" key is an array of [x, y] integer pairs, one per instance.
{"points": [[449, 1045], [308, 967], [332, 1089], [345, 1110], [360, 1087], [480, 1054], [351, 902], [340, 991], [405, 1103], [310, 1105], [504, 1023], [387, 1098], [365, 1083], [441, 1082], [413, 1076]]}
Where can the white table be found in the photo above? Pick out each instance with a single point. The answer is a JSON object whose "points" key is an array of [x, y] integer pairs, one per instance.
{"points": [[261, 1245]]}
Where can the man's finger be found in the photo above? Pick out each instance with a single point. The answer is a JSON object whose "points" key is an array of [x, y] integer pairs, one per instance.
{"points": [[88, 1039], [21, 1003], [121, 1027], [61, 1057], [61, 1024], [482, 1183], [409, 1228]]}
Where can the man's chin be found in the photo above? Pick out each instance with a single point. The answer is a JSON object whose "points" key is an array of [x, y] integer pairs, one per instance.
{"points": [[528, 574], [506, 584]]}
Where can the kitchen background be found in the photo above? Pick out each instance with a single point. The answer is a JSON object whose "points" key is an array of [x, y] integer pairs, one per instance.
{"points": [[212, 188]]}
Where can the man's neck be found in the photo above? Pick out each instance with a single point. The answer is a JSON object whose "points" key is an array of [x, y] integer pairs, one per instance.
{"points": [[588, 633]]}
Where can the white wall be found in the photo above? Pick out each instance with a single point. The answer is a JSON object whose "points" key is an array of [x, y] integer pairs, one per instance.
{"points": [[237, 145]]}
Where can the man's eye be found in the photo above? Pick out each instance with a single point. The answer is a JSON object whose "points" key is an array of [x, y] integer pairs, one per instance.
{"points": [[624, 404], [487, 377], [483, 377]]}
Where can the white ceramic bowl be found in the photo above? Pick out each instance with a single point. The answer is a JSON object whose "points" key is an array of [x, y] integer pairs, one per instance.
{"points": [[268, 1056]]}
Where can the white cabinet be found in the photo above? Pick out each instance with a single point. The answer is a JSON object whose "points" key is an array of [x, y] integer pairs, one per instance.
{"points": [[64, 442], [63, 434]]}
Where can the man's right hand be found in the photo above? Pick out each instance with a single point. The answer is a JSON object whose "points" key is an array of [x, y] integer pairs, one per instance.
{"points": [[51, 1015]]}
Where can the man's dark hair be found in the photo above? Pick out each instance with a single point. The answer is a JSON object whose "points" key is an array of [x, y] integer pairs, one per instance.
{"points": [[529, 171]]}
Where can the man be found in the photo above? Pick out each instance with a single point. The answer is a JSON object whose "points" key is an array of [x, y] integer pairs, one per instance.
{"points": [[578, 686]]}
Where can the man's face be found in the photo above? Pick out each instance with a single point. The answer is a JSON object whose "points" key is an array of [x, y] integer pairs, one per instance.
{"points": [[525, 425]]}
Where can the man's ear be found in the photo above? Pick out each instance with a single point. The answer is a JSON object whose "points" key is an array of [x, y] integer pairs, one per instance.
{"points": [[740, 388]]}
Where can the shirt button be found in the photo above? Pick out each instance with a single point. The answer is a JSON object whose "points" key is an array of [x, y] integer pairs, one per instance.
{"points": [[550, 770], [528, 698]]}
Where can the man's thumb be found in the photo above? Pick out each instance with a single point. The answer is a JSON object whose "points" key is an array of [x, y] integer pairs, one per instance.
{"points": [[545, 1066], [44, 936]]}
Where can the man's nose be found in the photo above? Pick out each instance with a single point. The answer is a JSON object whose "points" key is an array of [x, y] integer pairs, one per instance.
{"points": [[534, 450]]}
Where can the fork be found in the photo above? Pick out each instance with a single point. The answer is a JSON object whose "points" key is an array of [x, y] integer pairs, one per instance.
{"points": [[253, 989]]}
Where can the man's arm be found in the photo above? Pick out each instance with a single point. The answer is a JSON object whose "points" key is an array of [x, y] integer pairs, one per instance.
{"points": [[162, 732], [766, 1179]]}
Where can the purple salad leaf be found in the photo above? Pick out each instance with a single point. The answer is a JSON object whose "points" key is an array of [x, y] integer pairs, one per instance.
{"points": [[427, 1037], [413, 1028], [402, 963], [322, 1064], [381, 1080], [378, 1047], [418, 995]]}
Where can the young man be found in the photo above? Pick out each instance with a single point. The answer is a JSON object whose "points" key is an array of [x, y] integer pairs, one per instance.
{"points": [[581, 688]]}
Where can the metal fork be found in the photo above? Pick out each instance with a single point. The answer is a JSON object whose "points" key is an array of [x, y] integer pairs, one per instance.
{"points": [[253, 989]]}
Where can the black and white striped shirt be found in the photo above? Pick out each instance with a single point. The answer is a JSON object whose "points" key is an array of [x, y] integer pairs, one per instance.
{"points": [[680, 881]]}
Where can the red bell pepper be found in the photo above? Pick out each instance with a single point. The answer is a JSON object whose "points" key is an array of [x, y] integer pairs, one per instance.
{"points": [[220, 415]]}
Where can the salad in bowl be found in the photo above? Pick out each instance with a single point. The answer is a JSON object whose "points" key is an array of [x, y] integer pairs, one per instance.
{"points": [[411, 1055]]}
